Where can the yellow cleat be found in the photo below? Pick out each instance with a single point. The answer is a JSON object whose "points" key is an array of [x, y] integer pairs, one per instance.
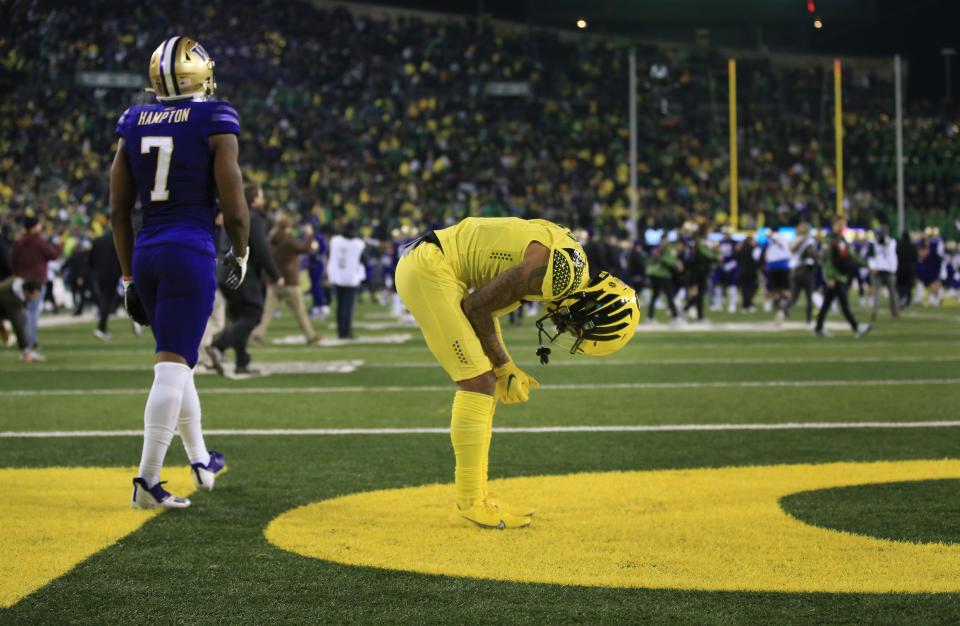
{"points": [[484, 514], [517, 510]]}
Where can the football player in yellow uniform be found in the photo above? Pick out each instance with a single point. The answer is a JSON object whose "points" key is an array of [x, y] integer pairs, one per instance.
{"points": [[457, 281]]}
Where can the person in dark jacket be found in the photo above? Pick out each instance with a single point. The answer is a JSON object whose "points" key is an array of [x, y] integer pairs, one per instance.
{"points": [[76, 273], [245, 304], [637, 267], [749, 268], [598, 257], [105, 275], [701, 263], [31, 253], [907, 259]]}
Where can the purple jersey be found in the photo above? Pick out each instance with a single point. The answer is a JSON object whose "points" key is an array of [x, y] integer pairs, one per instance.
{"points": [[935, 253], [727, 250], [168, 150]]}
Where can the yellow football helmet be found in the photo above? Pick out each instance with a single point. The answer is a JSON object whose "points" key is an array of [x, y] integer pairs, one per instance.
{"points": [[598, 320], [179, 69]]}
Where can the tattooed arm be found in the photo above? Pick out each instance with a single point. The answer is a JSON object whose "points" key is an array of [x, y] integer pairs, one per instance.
{"points": [[511, 286]]}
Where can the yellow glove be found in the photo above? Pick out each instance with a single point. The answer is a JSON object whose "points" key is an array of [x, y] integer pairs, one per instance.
{"points": [[513, 384]]}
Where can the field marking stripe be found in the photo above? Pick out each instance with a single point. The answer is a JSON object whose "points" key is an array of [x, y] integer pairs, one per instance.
{"points": [[147, 351], [707, 361], [261, 432], [569, 363], [564, 387]]}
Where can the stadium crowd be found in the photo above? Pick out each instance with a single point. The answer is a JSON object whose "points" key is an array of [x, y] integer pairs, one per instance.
{"points": [[402, 124], [391, 121]]}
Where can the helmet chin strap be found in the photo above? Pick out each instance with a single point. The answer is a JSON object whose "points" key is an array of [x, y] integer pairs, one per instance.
{"points": [[543, 352]]}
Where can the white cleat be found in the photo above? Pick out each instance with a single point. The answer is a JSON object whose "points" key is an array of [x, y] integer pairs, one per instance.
{"points": [[156, 497], [204, 476]]}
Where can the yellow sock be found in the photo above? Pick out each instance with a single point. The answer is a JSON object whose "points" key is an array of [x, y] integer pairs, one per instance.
{"points": [[469, 428], [486, 447]]}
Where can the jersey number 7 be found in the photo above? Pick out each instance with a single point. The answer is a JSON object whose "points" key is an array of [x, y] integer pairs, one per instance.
{"points": [[164, 146]]}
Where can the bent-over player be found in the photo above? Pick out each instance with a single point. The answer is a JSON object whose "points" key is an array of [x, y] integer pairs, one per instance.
{"points": [[457, 281]]}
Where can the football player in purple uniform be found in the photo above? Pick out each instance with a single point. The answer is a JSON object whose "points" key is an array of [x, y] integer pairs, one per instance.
{"points": [[726, 273], [177, 156]]}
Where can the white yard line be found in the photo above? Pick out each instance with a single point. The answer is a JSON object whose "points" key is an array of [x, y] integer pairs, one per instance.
{"points": [[869, 343], [592, 362], [345, 367], [301, 432], [15, 393]]}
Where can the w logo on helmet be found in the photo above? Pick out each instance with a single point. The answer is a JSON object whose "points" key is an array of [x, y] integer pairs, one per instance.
{"points": [[200, 52]]}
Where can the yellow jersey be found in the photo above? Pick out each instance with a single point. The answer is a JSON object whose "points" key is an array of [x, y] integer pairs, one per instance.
{"points": [[481, 248]]}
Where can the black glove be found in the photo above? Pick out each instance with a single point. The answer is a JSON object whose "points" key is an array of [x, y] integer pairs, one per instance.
{"points": [[235, 268], [132, 304]]}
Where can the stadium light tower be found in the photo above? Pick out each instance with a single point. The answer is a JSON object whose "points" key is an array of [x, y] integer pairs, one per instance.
{"points": [[898, 101], [948, 54]]}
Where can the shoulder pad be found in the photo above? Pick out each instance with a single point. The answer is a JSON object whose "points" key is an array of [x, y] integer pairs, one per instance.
{"points": [[223, 117], [124, 120], [566, 272]]}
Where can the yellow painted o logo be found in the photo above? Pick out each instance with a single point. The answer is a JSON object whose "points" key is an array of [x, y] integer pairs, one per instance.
{"points": [[706, 529], [48, 525]]}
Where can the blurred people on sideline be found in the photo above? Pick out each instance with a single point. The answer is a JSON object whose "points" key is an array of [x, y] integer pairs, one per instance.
{"points": [[907, 257], [245, 304], [839, 264], [287, 251], [31, 253], [345, 271], [663, 268], [316, 268], [105, 276], [803, 260], [748, 272], [776, 258], [882, 260], [15, 295]]}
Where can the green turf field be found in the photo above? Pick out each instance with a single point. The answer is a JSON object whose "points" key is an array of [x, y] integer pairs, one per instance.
{"points": [[214, 562]]}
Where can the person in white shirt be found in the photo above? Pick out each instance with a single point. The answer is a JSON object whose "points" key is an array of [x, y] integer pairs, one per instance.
{"points": [[777, 263], [345, 271], [882, 261]]}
